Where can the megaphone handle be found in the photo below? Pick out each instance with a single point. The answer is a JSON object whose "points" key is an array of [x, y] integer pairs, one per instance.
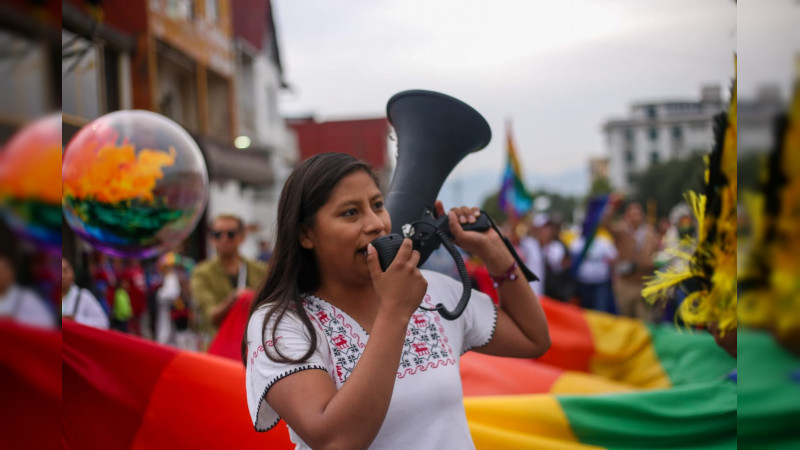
{"points": [[482, 223]]}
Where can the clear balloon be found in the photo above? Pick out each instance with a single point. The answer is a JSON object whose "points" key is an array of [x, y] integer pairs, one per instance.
{"points": [[30, 191], [134, 184]]}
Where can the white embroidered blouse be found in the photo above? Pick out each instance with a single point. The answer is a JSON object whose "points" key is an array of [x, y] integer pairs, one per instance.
{"points": [[426, 410]]}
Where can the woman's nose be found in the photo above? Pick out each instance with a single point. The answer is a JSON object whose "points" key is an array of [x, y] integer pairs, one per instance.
{"points": [[373, 222]]}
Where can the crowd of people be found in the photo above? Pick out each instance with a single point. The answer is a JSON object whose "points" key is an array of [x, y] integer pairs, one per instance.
{"points": [[324, 295], [171, 300], [609, 275], [176, 302]]}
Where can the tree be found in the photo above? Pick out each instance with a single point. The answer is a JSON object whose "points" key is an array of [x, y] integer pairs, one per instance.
{"points": [[667, 182], [491, 205], [563, 206]]}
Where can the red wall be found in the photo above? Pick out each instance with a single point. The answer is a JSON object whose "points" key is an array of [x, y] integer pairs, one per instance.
{"points": [[129, 16], [363, 139], [250, 20]]}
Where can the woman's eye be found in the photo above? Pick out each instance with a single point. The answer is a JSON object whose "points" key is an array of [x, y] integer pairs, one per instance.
{"points": [[378, 205], [350, 212]]}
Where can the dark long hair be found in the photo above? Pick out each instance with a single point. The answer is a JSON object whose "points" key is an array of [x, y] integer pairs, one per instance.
{"points": [[293, 269]]}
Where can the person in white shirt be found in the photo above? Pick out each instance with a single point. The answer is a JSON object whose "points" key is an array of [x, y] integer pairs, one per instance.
{"points": [[351, 356], [79, 304], [531, 253], [594, 273], [21, 304], [558, 282], [172, 304]]}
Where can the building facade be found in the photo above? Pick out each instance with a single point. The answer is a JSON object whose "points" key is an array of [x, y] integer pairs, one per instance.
{"points": [[182, 59], [365, 139], [29, 85], [655, 132], [756, 120], [260, 127]]}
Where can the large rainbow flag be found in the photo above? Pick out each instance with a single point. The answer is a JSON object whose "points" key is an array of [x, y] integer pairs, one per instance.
{"points": [[607, 382]]}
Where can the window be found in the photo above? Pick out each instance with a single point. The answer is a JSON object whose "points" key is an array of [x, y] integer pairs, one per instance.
{"points": [[651, 112], [629, 134], [81, 77], [180, 9], [630, 156], [25, 81], [653, 134], [677, 133], [654, 157], [212, 12]]}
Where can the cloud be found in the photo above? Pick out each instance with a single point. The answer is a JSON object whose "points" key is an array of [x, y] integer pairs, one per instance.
{"points": [[559, 69]]}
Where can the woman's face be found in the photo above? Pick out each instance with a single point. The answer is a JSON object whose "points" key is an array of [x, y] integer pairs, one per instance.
{"points": [[353, 217]]}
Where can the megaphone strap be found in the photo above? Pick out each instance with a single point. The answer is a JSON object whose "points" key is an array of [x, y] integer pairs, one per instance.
{"points": [[530, 276]]}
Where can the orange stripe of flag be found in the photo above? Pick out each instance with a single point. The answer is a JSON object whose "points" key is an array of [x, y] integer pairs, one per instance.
{"points": [[493, 375]]}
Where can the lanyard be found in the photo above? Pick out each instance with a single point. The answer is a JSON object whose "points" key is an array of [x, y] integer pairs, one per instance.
{"points": [[73, 298], [242, 282]]}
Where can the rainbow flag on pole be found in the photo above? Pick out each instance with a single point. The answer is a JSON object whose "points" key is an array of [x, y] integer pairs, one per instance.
{"points": [[514, 199]]}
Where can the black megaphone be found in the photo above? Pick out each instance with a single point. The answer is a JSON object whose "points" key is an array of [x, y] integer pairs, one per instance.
{"points": [[434, 133]]}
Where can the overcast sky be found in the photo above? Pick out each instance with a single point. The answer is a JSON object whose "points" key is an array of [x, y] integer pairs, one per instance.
{"points": [[559, 69]]}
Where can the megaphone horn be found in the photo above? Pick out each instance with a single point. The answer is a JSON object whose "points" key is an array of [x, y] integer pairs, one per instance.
{"points": [[434, 133]]}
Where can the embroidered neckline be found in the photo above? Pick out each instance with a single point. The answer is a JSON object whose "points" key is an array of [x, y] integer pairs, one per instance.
{"points": [[338, 310]]}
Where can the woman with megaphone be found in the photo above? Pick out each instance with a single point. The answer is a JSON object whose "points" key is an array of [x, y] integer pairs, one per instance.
{"points": [[351, 356]]}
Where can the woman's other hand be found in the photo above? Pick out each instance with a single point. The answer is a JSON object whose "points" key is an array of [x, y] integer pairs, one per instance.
{"points": [[487, 245]]}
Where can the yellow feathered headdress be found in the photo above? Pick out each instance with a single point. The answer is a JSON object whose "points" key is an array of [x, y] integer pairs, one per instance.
{"points": [[770, 275], [709, 273]]}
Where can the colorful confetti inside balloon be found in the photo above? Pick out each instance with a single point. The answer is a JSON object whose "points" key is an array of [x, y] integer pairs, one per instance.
{"points": [[134, 184], [29, 186]]}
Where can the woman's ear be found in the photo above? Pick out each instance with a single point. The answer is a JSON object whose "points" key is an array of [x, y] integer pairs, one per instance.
{"points": [[305, 239]]}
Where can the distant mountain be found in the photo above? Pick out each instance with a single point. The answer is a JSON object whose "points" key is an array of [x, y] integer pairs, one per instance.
{"points": [[473, 188]]}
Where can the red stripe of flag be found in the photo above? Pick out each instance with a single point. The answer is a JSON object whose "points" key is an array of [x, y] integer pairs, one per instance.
{"points": [[493, 375], [572, 345], [108, 378], [30, 379]]}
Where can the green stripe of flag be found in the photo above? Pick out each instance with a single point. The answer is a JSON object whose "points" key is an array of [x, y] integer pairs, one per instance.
{"points": [[690, 356], [769, 393], [696, 416]]}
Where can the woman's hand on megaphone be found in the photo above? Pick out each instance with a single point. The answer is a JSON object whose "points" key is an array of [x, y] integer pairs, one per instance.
{"points": [[486, 245], [401, 287]]}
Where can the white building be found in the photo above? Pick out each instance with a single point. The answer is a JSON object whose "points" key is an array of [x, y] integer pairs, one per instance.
{"points": [[659, 131], [756, 120], [260, 127]]}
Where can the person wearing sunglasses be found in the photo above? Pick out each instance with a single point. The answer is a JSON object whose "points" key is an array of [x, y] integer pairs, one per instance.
{"points": [[218, 282]]}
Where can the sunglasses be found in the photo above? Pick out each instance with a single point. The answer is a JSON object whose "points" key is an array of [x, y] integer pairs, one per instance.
{"points": [[230, 233]]}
